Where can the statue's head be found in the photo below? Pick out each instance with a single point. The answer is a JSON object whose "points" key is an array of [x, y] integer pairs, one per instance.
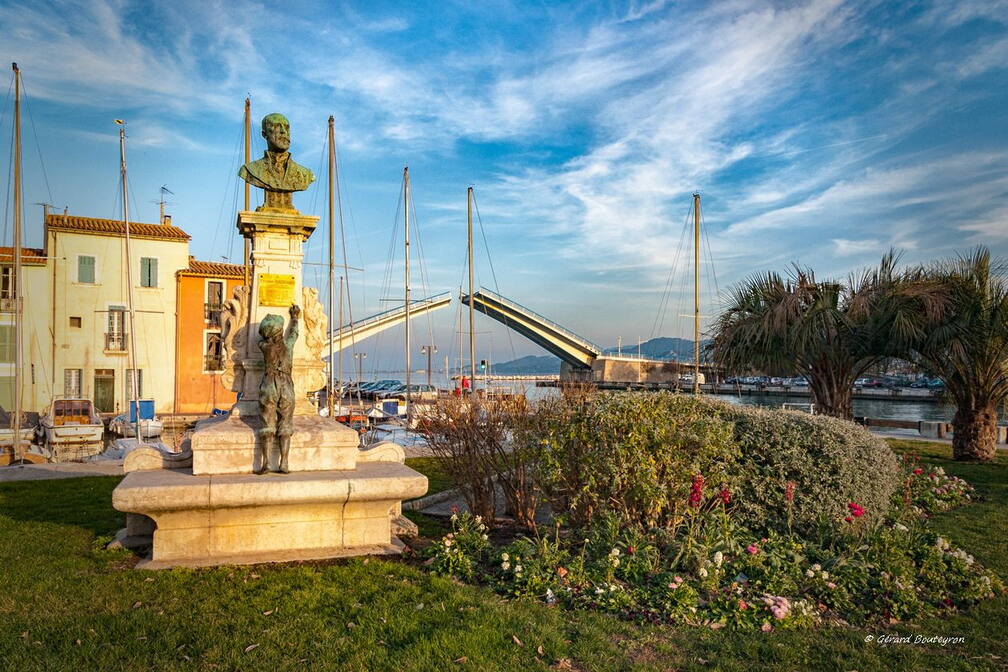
{"points": [[271, 327], [276, 130]]}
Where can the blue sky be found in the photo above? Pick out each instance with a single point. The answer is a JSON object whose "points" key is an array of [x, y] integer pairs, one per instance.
{"points": [[822, 132]]}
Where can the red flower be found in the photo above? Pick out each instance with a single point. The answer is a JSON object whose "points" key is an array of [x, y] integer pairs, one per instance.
{"points": [[789, 489], [696, 491], [849, 519], [918, 471], [856, 510], [725, 496]]}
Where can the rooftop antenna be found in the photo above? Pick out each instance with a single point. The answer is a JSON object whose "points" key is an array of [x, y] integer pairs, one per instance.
{"points": [[162, 202]]}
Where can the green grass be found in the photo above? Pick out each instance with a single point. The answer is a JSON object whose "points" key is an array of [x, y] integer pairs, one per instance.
{"points": [[438, 478], [67, 605]]}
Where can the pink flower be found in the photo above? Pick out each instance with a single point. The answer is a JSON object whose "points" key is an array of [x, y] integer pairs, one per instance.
{"points": [[766, 627], [789, 489], [831, 585], [752, 549], [742, 605]]}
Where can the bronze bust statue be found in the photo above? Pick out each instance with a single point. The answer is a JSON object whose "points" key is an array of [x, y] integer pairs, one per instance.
{"points": [[276, 390], [277, 173]]}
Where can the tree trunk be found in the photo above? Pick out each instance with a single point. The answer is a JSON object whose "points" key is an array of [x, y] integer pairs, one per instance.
{"points": [[832, 400], [975, 433]]}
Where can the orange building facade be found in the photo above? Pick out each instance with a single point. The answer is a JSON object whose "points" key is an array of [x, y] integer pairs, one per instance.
{"points": [[201, 291]]}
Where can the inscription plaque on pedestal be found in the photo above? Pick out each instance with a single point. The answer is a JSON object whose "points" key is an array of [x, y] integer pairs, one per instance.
{"points": [[276, 290]]}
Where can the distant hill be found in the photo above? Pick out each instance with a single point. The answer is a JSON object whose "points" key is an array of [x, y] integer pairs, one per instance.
{"points": [[530, 364], [663, 347]]}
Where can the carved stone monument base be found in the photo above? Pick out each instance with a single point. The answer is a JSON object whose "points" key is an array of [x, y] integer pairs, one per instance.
{"points": [[228, 445], [242, 519]]}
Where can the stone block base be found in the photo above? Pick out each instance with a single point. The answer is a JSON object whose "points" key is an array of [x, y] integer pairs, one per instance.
{"points": [[227, 445], [224, 519]]}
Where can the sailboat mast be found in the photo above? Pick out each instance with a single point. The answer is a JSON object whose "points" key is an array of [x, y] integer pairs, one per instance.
{"points": [[406, 202], [696, 293], [131, 355], [472, 332], [16, 294], [332, 244], [248, 159]]}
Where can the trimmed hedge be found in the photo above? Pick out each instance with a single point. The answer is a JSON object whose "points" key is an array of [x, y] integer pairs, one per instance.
{"points": [[832, 462], [635, 455]]}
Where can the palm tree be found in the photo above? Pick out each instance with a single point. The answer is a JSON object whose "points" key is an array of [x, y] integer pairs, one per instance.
{"points": [[828, 331], [966, 346]]}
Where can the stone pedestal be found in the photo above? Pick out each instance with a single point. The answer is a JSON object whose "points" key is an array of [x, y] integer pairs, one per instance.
{"points": [[276, 256], [228, 445], [244, 519]]}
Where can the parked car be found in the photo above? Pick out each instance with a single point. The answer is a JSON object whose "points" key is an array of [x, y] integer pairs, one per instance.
{"points": [[380, 387], [417, 391]]}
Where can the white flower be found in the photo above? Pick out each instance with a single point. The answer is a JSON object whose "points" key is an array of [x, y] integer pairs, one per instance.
{"points": [[454, 517], [702, 573], [825, 575], [485, 537], [900, 527], [518, 569], [599, 591], [718, 558], [615, 562], [505, 565], [809, 573], [447, 543], [505, 557], [479, 519], [614, 552], [816, 567]]}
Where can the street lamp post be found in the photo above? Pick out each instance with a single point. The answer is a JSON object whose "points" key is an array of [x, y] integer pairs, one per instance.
{"points": [[428, 350]]}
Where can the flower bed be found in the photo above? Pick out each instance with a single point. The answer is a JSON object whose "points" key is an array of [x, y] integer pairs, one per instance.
{"points": [[702, 558]]}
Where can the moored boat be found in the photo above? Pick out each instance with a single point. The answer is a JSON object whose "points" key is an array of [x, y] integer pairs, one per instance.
{"points": [[150, 425], [71, 430]]}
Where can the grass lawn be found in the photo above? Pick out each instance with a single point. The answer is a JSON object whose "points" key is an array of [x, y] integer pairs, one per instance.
{"points": [[67, 605], [438, 479]]}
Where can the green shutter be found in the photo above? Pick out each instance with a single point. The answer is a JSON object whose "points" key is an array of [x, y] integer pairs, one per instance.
{"points": [[86, 269], [148, 272]]}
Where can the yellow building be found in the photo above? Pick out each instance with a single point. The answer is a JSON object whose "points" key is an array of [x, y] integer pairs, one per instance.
{"points": [[89, 318], [36, 353]]}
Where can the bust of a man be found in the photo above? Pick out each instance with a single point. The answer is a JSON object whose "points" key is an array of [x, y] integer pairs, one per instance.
{"points": [[276, 173]]}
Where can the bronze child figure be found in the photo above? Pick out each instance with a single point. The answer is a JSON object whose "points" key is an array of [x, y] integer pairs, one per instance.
{"points": [[276, 391]]}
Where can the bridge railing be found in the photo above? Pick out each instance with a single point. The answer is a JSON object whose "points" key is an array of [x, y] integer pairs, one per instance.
{"points": [[583, 342], [385, 314]]}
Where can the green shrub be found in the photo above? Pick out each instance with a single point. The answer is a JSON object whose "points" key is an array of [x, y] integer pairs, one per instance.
{"points": [[831, 462], [631, 455]]}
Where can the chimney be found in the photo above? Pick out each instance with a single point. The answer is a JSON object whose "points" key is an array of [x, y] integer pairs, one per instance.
{"points": [[167, 220]]}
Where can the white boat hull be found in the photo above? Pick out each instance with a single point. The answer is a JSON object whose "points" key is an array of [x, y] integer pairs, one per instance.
{"points": [[148, 428]]}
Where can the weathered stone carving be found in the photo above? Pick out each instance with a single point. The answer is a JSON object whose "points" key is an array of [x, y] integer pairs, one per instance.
{"points": [[276, 173], [315, 323], [233, 334], [276, 390]]}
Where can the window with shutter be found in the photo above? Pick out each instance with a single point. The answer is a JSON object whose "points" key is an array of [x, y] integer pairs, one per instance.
{"points": [[86, 269], [148, 272]]}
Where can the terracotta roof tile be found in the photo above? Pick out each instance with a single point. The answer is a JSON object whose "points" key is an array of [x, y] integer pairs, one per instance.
{"points": [[114, 227], [213, 269], [29, 255]]}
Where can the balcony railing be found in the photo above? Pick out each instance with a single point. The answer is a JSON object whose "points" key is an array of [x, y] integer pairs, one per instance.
{"points": [[213, 362], [212, 313], [115, 342]]}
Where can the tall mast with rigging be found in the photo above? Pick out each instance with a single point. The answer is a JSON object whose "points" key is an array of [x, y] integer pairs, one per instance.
{"points": [[248, 159], [16, 294], [696, 293], [406, 203], [131, 355], [332, 245], [472, 332]]}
